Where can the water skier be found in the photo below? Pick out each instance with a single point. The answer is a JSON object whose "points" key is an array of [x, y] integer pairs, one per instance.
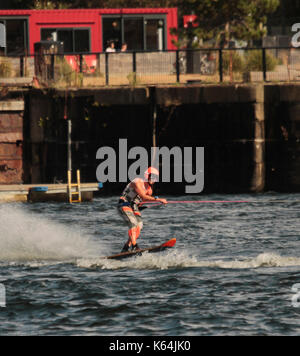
{"points": [[136, 192]]}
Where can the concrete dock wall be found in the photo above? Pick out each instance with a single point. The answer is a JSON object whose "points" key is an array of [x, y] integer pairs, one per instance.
{"points": [[282, 123], [250, 132]]}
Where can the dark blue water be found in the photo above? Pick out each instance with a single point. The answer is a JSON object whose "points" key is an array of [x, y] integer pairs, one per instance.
{"points": [[231, 272]]}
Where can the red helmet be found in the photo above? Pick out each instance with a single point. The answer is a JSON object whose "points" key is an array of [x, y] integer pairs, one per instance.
{"points": [[153, 172]]}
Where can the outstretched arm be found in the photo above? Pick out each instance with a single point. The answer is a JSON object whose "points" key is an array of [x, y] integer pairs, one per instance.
{"points": [[139, 188]]}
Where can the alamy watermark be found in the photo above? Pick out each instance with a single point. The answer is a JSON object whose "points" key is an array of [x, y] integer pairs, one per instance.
{"points": [[188, 163], [296, 38], [296, 296], [2, 296]]}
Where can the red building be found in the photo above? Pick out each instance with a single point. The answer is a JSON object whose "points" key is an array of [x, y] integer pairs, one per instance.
{"points": [[87, 30]]}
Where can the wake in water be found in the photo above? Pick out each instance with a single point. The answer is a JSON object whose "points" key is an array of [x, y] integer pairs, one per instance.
{"points": [[180, 259], [28, 237]]}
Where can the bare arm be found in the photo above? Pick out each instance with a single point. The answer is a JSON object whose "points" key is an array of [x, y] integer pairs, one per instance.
{"points": [[139, 188]]}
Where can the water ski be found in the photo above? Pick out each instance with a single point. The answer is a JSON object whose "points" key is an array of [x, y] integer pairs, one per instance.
{"points": [[139, 252]]}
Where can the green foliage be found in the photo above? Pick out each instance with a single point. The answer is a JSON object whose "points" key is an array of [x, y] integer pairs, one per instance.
{"points": [[250, 61], [47, 4], [58, 4], [221, 20], [254, 61], [67, 76], [238, 63], [16, 4], [133, 79], [6, 70]]}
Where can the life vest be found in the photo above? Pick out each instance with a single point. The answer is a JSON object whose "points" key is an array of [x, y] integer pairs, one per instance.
{"points": [[131, 196]]}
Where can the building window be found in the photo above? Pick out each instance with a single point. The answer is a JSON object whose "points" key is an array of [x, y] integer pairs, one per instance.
{"points": [[76, 40], [155, 34], [82, 40], [134, 33], [112, 32], [141, 33], [2, 38], [16, 41]]}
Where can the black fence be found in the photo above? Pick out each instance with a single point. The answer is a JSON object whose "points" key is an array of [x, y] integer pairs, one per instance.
{"points": [[160, 67]]}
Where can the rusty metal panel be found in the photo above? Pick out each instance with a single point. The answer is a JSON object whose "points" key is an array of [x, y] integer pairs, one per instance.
{"points": [[11, 151], [11, 171], [11, 136]]}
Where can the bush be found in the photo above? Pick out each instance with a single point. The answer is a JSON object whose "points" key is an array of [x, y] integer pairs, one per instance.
{"points": [[238, 63], [254, 61], [133, 79], [67, 76], [6, 70]]}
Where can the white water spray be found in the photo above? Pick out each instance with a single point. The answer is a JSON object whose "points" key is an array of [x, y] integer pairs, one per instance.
{"points": [[26, 236], [182, 259]]}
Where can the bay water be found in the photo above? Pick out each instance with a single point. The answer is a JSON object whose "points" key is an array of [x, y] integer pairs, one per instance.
{"points": [[235, 269]]}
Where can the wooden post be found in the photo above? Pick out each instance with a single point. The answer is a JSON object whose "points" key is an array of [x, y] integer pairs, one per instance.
{"points": [[264, 64], [221, 65], [106, 69], [258, 178], [69, 186], [177, 67]]}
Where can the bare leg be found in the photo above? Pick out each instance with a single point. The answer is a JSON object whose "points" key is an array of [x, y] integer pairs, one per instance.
{"points": [[133, 234]]}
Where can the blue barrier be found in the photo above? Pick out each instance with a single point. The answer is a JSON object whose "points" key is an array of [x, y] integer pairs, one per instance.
{"points": [[39, 189]]}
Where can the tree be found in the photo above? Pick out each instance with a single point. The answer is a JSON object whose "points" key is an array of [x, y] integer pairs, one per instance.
{"points": [[55, 4], [127, 3], [35, 4], [16, 4], [222, 20]]}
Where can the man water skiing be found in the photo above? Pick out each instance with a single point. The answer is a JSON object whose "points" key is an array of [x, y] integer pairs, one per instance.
{"points": [[137, 191]]}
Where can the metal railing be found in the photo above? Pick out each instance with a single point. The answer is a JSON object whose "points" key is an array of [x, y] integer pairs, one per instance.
{"points": [[163, 67]]}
